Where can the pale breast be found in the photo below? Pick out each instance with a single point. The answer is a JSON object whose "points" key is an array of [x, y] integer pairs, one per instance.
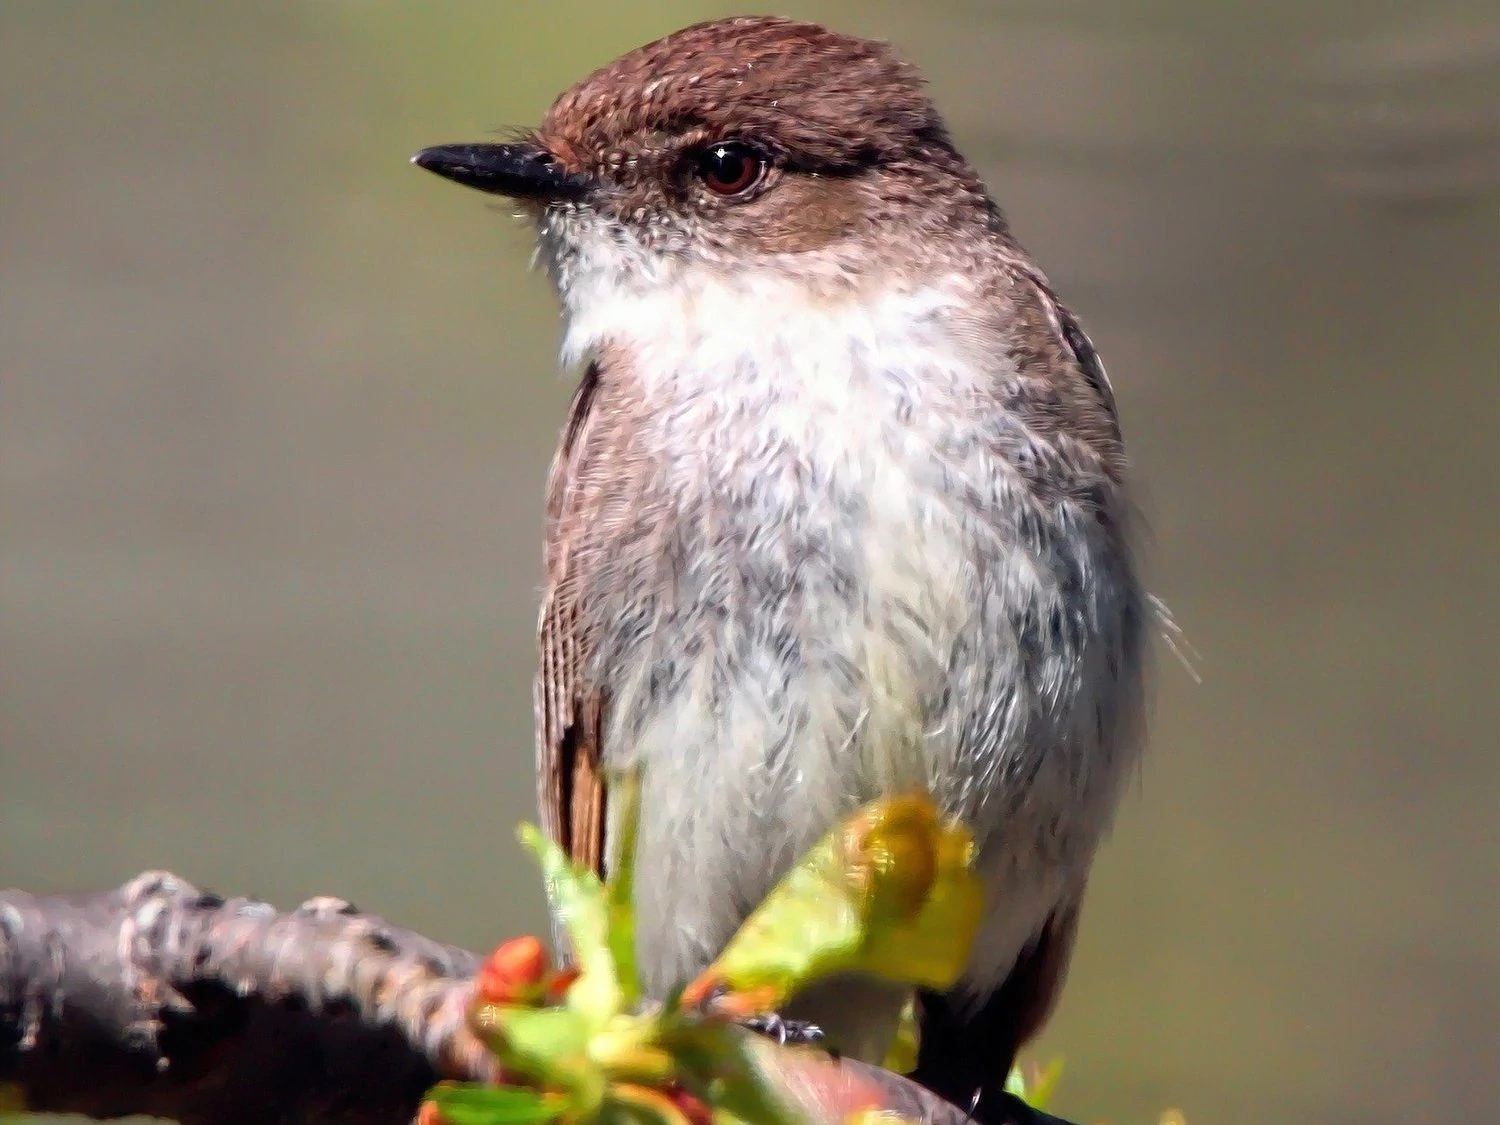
{"points": [[850, 592]]}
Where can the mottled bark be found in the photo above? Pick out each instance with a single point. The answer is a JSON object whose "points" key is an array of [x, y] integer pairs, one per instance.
{"points": [[159, 999]]}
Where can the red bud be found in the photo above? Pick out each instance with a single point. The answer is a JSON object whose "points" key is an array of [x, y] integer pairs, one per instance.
{"points": [[693, 1107], [513, 972], [559, 982]]}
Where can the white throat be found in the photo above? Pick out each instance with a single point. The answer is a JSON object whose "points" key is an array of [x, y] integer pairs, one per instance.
{"points": [[719, 326]]}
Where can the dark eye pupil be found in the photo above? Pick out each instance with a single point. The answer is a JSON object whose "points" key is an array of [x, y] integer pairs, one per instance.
{"points": [[729, 168]]}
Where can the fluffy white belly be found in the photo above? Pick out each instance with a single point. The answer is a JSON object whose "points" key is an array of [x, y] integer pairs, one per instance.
{"points": [[835, 612]]}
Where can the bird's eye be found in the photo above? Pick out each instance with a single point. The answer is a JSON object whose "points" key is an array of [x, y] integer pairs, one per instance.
{"points": [[730, 168]]}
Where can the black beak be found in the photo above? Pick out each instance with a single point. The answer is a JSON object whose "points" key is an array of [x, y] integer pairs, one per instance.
{"points": [[521, 171]]}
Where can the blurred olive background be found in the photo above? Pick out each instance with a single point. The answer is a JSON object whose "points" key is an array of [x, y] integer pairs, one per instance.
{"points": [[275, 410]]}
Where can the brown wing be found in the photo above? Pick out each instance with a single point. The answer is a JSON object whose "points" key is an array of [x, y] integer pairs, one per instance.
{"points": [[1047, 339], [569, 712]]}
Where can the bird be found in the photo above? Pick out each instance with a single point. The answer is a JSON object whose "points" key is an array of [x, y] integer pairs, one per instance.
{"points": [[840, 510]]}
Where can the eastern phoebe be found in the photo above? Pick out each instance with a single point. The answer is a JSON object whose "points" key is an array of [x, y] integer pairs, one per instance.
{"points": [[840, 510]]}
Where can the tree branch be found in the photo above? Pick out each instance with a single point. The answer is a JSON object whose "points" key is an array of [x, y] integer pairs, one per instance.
{"points": [[159, 999]]}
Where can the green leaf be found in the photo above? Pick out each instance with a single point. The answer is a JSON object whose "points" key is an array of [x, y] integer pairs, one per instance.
{"points": [[700, 1046], [643, 1105], [901, 1055], [1015, 1083], [889, 893], [540, 1042], [1037, 1093], [625, 796], [471, 1104], [577, 898], [739, 1086]]}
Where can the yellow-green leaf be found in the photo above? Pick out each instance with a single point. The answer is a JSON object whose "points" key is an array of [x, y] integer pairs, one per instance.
{"points": [[538, 1042], [901, 1055], [577, 899], [889, 893], [740, 1088], [642, 1105], [625, 796], [471, 1104], [1037, 1090]]}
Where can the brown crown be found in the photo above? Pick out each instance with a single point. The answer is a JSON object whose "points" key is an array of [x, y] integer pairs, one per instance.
{"points": [[823, 99]]}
